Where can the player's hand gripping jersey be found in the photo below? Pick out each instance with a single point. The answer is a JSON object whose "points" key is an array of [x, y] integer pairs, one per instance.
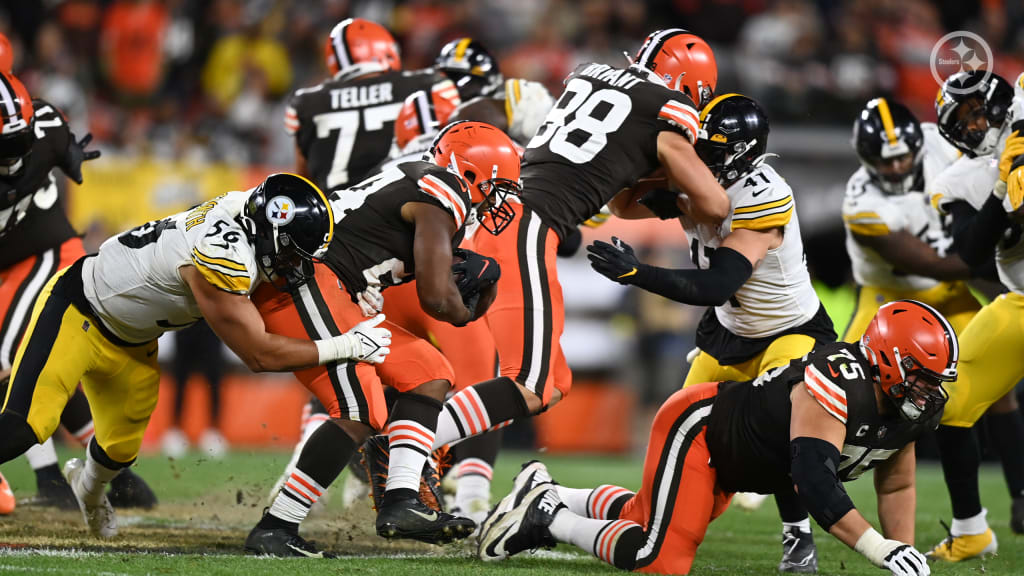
{"points": [[344, 126], [133, 284], [600, 137], [748, 434], [868, 211], [32, 218], [373, 245], [778, 296]]}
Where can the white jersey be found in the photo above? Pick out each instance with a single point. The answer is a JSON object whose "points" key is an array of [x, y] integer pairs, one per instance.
{"points": [[527, 103], [779, 295], [868, 211], [134, 286]]}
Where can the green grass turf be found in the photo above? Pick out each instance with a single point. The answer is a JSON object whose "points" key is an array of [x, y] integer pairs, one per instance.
{"points": [[739, 542]]}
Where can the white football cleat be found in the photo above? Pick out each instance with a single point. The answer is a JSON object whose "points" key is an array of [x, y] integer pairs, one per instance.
{"points": [[174, 444], [100, 517], [213, 444]]}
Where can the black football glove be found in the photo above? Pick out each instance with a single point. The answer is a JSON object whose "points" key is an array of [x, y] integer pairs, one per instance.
{"points": [[78, 154], [615, 261], [478, 272], [662, 202]]}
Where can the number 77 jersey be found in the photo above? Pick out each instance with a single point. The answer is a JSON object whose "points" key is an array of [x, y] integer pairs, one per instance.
{"points": [[600, 137]]}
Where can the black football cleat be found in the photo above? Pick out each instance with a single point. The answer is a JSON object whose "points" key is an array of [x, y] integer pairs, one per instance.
{"points": [[412, 519], [524, 527], [281, 542], [1017, 516], [53, 491], [129, 490], [799, 553]]}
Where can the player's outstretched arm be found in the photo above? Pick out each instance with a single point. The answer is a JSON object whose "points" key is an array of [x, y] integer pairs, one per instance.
{"points": [[897, 495], [816, 436], [708, 202], [911, 255], [236, 321], [432, 251]]}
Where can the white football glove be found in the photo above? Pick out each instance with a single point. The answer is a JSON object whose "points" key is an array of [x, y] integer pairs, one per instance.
{"points": [[370, 301], [365, 342], [899, 558]]}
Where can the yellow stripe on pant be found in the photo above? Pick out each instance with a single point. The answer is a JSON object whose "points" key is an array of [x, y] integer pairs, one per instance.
{"points": [[61, 348], [953, 299], [991, 362], [781, 351]]}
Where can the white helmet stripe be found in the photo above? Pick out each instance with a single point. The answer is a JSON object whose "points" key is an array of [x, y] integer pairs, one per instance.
{"points": [[427, 119], [7, 98], [338, 44], [654, 46]]}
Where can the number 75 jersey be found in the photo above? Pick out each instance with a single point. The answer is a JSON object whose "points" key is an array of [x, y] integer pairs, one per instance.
{"points": [[133, 283]]}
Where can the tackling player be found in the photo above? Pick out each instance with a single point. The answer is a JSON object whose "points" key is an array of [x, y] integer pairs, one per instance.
{"points": [[37, 241], [343, 126], [750, 272], [813, 424], [97, 322], [975, 113], [400, 224]]}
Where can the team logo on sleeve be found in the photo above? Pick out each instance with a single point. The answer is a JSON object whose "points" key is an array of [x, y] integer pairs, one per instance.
{"points": [[280, 210]]}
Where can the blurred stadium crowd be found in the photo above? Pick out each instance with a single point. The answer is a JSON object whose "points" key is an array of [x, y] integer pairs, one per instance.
{"points": [[206, 79]]}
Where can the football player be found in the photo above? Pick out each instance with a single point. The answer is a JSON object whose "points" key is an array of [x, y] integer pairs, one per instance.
{"points": [[37, 241], [815, 423], [975, 113], [750, 272], [515, 105], [343, 126], [97, 321], [400, 224], [625, 123]]}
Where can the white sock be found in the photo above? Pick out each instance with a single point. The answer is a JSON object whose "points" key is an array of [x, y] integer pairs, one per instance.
{"points": [[296, 497], [594, 503], [312, 424], [410, 444], [595, 536], [42, 455], [804, 525], [474, 482], [95, 478], [970, 526]]}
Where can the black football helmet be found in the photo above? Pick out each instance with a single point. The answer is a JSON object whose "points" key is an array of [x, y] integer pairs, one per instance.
{"points": [[890, 145], [986, 95], [733, 135], [290, 224], [471, 67]]}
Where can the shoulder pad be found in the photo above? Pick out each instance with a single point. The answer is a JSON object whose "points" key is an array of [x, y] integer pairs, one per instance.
{"points": [[761, 200], [223, 255], [821, 387], [526, 105], [866, 209], [448, 190], [680, 112]]}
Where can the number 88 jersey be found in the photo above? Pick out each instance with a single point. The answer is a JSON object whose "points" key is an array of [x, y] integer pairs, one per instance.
{"points": [[600, 137], [133, 283]]}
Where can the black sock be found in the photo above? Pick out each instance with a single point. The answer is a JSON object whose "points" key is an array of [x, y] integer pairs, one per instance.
{"points": [[790, 508], [1006, 432], [48, 476], [17, 436], [960, 462]]}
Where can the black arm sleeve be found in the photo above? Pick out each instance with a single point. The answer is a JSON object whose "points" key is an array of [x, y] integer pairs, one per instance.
{"points": [[712, 287], [814, 467], [976, 233]]}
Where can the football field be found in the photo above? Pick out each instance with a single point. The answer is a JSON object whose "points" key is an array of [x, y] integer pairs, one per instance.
{"points": [[207, 507]]}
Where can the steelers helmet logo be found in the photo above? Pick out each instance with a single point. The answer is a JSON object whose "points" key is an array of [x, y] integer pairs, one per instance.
{"points": [[280, 210]]}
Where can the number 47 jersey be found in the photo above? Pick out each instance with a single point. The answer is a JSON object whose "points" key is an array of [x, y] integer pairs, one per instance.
{"points": [[600, 137], [748, 434], [133, 285]]}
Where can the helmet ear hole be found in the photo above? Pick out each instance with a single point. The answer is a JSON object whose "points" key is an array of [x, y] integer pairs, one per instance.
{"points": [[885, 358], [470, 176]]}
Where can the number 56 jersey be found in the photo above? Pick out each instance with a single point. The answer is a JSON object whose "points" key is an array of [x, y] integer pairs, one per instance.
{"points": [[133, 284], [601, 136], [748, 434]]}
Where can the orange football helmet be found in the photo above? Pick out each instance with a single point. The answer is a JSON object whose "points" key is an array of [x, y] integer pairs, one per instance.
{"points": [[423, 115], [913, 350], [362, 46], [684, 61], [488, 161], [16, 114], [6, 55]]}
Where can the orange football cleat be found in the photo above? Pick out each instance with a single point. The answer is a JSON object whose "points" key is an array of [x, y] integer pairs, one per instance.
{"points": [[6, 497]]}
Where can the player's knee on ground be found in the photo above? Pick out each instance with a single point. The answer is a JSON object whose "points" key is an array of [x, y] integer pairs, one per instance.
{"points": [[17, 436]]}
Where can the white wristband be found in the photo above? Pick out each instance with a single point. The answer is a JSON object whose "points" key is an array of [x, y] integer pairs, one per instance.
{"points": [[336, 348], [872, 545]]}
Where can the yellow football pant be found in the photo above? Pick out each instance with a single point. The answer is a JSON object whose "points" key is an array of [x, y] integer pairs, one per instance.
{"points": [[953, 299], [705, 367], [61, 348], [991, 360]]}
